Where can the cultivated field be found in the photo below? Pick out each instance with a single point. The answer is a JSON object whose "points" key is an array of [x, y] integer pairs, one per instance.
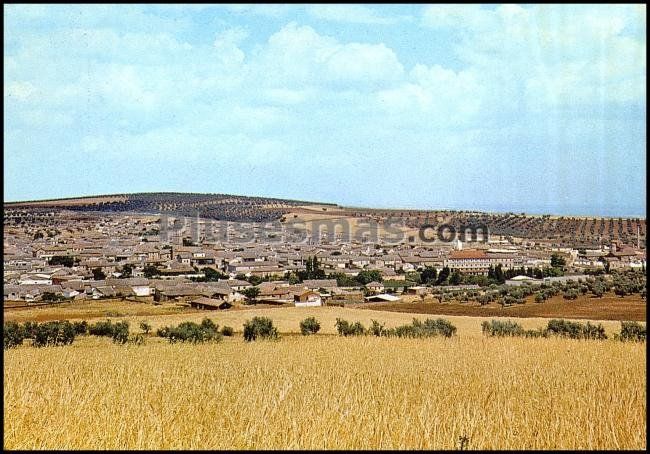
{"points": [[89, 309], [328, 392], [609, 307]]}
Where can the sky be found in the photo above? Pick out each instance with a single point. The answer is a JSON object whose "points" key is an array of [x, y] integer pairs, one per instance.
{"points": [[532, 108]]}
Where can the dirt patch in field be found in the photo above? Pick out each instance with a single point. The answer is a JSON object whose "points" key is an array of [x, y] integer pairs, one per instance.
{"points": [[92, 309], [606, 308]]}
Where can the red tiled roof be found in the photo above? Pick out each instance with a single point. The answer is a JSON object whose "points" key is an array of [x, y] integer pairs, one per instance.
{"points": [[468, 254]]}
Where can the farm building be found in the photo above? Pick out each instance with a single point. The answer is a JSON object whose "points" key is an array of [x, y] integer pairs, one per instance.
{"points": [[307, 298], [210, 304], [519, 280], [315, 284], [382, 297], [375, 287]]}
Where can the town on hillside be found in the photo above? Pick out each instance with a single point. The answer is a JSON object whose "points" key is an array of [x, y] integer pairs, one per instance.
{"points": [[64, 255]]}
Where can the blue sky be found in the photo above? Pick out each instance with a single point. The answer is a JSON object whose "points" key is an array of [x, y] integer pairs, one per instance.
{"points": [[535, 108]]}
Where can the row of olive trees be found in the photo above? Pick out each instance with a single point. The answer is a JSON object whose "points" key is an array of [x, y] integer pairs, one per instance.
{"points": [[630, 331], [620, 283], [417, 328], [55, 333]]}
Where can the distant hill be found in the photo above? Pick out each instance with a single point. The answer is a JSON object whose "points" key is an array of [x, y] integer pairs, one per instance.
{"points": [[213, 206], [577, 231]]}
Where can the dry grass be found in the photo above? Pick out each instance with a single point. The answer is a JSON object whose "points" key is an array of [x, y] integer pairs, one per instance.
{"points": [[88, 309], [328, 392]]}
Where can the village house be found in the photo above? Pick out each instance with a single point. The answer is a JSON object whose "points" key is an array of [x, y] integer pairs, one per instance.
{"points": [[307, 298], [210, 304], [375, 287], [316, 284]]}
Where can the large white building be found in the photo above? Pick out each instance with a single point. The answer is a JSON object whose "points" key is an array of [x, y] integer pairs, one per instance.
{"points": [[477, 261]]}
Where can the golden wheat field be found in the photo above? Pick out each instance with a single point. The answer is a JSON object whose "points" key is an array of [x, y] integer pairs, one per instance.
{"points": [[328, 392]]}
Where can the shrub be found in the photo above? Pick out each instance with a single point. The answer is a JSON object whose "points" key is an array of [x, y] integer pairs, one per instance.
{"points": [[439, 326], [163, 332], [145, 327], [261, 327], [80, 327], [29, 329], [346, 328], [571, 294], [509, 328], [227, 331], [209, 325], [53, 333], [598, 290], [14, 335], [309, 326], [377, 329], [120, 333], [428, 328], [539, 332], [191, 332], [576, 330], [101, 328], [510, 300], [484, 299], [501, 328], [632, 331]]}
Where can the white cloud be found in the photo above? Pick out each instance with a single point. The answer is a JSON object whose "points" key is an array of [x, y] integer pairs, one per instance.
{"points": [[455, 16], [20, 90], [298, 54], [365, 62], [555, 54], [351, 13], [442, 94], [267, 10], [226, 44]]}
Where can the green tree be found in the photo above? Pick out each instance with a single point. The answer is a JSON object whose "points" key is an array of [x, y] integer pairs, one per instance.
{"points": [[51, 296], [259, 327], [14, 335], [343, 280], [498, 274], [443, 276], [557, 261], [366, 276], [456, 278], [150, 271], [212, 275], [64, 260], [429, 275], [127, 271], [251, 294], [491, 275], [98, 274], [309, 326]]}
